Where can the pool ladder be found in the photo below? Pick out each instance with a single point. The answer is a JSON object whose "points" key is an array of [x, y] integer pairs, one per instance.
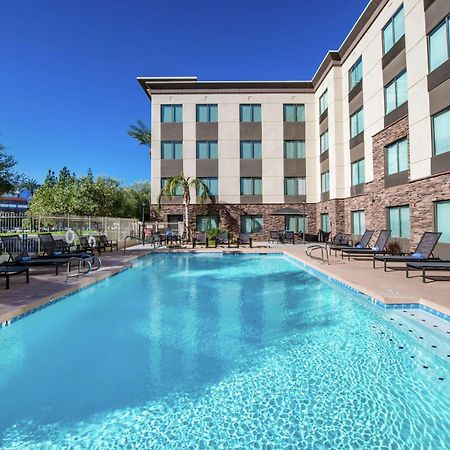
{"points": [[83, 266], [324, 254]]}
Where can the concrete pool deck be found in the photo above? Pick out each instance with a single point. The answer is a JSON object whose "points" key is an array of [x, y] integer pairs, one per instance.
{"points": [[388, 287]]}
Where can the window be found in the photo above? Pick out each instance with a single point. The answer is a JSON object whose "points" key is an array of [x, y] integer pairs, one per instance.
{"points": [[294, 113], [441, 132], [171, 113], [396, 92], [251, 186], [443, 220], [325, 222], [213, 186], [358, 172], [324, 144], [358, 222], [323, 102], [355, 74], [171, 150], [250, 113], [251, 224], [206, 113], [298, 224], [251, 149], [393, 30], [439, 44], [325, 182], [178, 189], [397, 157], [399, 221], [206, 223], [207, 150], [295, 186], [294, 149], [357, 123]]}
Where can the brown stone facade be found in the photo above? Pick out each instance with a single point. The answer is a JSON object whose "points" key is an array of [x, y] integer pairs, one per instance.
{"points": [[230, 215]]}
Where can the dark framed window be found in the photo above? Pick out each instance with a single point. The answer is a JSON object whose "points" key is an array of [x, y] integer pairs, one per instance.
{"points": [[207, 149], [206, 223], [251, 224], [397, 157], [171, 113], [294, 113], [251, 186], [439, 44], [212, 183], [399, 224], [206, 113], [250, 113], [358, 172], [358, 222], [294, 149], [323, 102], [441, 132], [396, 92], [251, 149], [393, 30], [295, 186], [442, 219], [355, 74], [171, 150]]}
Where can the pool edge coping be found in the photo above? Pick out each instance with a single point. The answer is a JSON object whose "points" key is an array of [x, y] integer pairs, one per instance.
{"points": [[336, 280]]}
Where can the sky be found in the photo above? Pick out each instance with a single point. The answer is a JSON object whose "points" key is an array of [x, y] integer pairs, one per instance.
{"points": [[68, 89]]}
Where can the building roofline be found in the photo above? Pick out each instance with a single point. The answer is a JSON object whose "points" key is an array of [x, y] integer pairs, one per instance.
{"points": [[189, 85]]}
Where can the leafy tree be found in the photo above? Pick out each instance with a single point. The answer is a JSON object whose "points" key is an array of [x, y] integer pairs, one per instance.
{"points": [[8, 177], [141, 133], [181, 185]]}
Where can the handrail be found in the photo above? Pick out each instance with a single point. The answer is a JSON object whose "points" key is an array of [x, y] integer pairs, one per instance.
{"points": [[322, 248], [97, 260], [81, 262]]}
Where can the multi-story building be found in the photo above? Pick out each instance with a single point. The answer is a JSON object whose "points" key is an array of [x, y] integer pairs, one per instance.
{"points": [[365, 143]]}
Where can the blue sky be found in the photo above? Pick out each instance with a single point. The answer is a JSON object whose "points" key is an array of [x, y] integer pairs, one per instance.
{"points": [[68, 89]]}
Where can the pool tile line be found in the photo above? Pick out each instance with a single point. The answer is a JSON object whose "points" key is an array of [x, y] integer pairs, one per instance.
{"points": [[363, 295]]}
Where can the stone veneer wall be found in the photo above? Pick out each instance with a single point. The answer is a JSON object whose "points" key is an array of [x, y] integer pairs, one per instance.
{"points": [[229, 215]]}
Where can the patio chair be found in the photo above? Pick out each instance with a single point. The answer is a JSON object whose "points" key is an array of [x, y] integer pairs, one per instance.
{"points": [[288, 236], [105, 243], [8, 272], [244, 239], [274, 236], [378, 249], [223, 239], [18, 256], [426, 266], [363, 243], [200, 238], [86, 246], [423, 252]]}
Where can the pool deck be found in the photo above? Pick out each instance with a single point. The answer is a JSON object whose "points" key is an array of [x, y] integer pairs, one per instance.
{"points": [[388, 287]]}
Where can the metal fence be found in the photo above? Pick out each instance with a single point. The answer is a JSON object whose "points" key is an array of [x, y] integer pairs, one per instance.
{"points": [[28, 227]]}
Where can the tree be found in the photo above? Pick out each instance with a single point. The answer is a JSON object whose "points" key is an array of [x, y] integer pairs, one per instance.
{"points": [[181, 185], [30, 184], [8, 177], [141, 133]]}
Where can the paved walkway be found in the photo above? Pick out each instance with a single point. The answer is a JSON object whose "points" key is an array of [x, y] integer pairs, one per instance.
{"points": [[389, 287]]}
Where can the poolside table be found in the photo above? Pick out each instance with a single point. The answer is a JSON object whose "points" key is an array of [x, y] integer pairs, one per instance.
{"points": [[10, 271]]}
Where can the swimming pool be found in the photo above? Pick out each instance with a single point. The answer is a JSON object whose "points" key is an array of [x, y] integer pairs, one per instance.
{"points": [[212, 351]]}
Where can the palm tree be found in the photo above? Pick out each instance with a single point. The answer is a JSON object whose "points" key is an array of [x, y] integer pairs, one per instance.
{"points": [[181, 185], [30, 184], [141, 133]]}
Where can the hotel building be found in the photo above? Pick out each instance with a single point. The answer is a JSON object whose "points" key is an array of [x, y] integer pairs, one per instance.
{"points": [[364, 144]]}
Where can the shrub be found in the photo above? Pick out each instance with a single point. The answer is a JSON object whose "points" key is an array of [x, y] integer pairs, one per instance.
{"points": [[393, 247]]}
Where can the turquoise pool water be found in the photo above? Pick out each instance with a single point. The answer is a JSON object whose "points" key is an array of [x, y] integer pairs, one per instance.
{"points": [[221, 352]]}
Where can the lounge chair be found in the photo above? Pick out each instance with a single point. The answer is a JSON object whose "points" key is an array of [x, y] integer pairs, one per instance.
{"points": [[8, 272], [223, 239], [363, 243], [105, 243], [200, 239], [52, 247], [244, 239], [423, 252], [378, 249], [274, 236], [18, 256], [428, 265]]}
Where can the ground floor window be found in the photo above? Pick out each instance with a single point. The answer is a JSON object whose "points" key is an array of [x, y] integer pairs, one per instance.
{"points": [[296, 223], [251, 224], [206, 223], [443, 220], [325, 222], [399, 221], [173, 220], [397, 157], [358, 222]]}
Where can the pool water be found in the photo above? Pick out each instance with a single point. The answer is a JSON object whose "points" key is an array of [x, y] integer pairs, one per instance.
{"points": [[212, 351]]}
